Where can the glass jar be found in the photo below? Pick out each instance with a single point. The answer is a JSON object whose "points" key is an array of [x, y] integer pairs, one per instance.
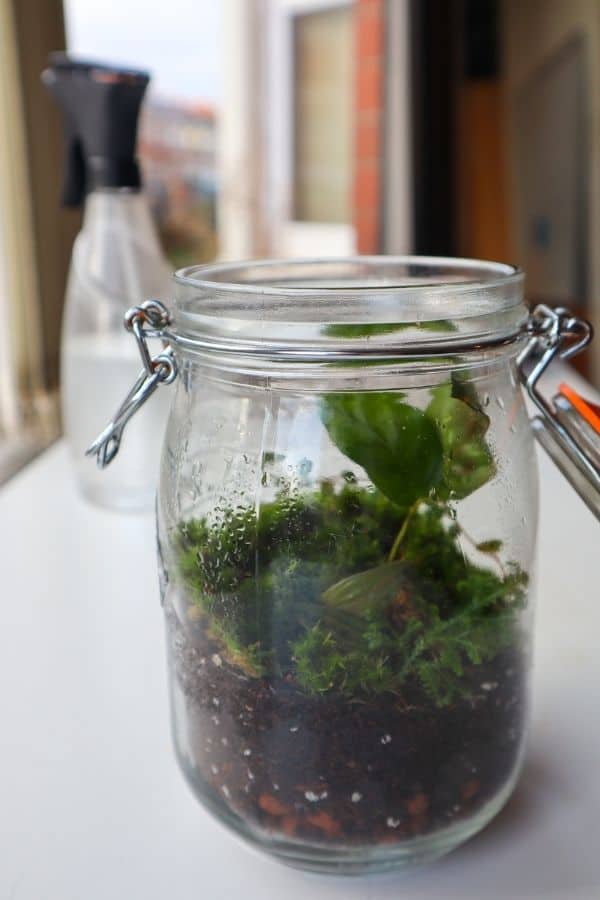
{"points": [[347, 521]]}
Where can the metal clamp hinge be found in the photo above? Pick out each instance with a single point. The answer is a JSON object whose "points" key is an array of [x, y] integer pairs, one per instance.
{"points": [[564, 434], [148, 320]]}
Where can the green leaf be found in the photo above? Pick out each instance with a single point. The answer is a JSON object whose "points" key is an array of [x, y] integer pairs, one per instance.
{"points": [[372, 329], [462, 424], [492, 546], [374, 589], [397, 445]]}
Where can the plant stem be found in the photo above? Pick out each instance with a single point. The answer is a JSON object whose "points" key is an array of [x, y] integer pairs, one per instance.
{"points": [[401, 534], [462, 532]]}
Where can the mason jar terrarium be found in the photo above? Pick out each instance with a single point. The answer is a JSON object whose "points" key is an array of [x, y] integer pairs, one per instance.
{"points": [[347, 519]]}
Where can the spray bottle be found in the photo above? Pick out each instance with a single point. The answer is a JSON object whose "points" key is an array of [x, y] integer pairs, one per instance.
{"points": [[116, 263]]}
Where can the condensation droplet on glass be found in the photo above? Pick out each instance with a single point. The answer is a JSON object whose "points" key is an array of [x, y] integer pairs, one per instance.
{"points": [[304, 467]]}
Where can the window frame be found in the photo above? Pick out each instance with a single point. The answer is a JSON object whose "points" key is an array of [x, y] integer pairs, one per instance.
{"points": [[34, 238], [292, 237]]}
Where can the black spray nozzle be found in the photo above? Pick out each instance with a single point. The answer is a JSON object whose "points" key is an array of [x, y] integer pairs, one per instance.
{"points": [[101, 106]]}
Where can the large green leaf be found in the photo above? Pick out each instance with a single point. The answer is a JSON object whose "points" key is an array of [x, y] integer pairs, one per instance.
{"points": [[462, 424], [397, 445]]}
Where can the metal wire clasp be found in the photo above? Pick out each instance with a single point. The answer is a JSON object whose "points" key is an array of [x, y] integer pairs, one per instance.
{"points": [[148, 320], [564, 434]]}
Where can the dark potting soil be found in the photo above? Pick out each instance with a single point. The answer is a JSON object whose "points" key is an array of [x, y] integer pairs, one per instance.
{"points": [[321, 768]]}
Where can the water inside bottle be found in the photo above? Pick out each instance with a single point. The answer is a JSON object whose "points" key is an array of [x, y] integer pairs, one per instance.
{"points": [[97, 373]]}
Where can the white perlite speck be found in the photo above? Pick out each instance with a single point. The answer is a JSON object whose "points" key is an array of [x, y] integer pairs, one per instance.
{"points": [[294, 728], [216, 660], [250, 775], [214, 769], [356, 797], [247, 752], [489, 685], [314, 798], [226, 791], [386, 739], [391, 822], [216, 701], [224, 741]]}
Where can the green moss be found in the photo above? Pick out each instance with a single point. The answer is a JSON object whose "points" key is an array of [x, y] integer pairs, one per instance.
{"points": [[426, 621], [261, 576], [363, 591], [305, 587]]}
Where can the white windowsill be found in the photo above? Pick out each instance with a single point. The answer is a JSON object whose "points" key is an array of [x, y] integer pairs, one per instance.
{"points": [[92, 803]]}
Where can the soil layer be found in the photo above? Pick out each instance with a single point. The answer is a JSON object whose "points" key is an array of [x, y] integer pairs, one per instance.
{"points": [[321, 768]]}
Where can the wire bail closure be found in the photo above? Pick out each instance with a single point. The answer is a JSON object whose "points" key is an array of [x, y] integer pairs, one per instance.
{"points": [[571, 442], [149, 320]]}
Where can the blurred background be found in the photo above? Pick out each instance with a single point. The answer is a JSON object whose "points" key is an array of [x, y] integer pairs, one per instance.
{"points": [[308, 127]]}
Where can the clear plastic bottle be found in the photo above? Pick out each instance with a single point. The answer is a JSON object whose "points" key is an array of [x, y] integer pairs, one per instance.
{"points": [[117, 262]]}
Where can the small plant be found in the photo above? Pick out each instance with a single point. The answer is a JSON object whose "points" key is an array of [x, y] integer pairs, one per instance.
{"points": [[363, 592]]}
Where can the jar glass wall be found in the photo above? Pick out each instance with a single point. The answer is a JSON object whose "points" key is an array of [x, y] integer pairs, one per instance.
{"points": [[347, 518]]}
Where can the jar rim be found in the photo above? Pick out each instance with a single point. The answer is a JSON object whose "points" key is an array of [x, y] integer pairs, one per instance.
{"points": [[221, 276], [348, 307]]}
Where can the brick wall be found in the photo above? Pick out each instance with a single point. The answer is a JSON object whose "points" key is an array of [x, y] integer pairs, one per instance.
{"points": [[369, 94]]}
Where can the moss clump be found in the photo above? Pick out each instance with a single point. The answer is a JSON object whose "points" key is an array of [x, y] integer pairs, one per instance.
{"points": [[306, 588], [260, 577], [435, 618], [363, 591]]}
